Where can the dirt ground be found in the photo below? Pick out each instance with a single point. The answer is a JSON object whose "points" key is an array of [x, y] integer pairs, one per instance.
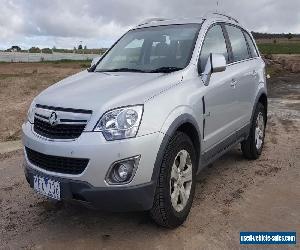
{"points": [[20, 83], [232, 195]]}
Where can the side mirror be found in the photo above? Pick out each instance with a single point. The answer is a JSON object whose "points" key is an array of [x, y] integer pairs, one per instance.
{"points": [[215, 63], [95, 60], [218, 63]]}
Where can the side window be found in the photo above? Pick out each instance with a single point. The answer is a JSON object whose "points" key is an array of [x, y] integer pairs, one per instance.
{"points": [[238, 43], [214, 42], [251, 45]]}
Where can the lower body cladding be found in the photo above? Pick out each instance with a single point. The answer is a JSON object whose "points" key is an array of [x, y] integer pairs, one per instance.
{"points": [[90, 186], [115, 199]]}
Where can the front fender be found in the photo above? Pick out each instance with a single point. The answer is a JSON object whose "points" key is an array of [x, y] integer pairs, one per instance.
{"points": [[179, 116], [175, 119]]}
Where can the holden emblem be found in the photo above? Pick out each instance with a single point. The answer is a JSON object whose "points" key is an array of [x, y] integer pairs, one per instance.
{"points": [[53, 119]]}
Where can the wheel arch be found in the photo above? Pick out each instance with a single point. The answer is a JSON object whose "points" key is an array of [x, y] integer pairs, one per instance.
{"points": [[262, 98], [187, 124]]}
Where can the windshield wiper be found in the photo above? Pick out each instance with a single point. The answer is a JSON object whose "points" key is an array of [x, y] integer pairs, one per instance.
{"points": [[120, 70], [165, 70]]}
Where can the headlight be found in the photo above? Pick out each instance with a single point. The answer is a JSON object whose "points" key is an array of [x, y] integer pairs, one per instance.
{"points": [[31, 111], [120, 123]]}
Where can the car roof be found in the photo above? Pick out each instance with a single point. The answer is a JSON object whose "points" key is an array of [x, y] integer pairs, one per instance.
{"points": [[164, 21], [210, 17], [215, 16]]}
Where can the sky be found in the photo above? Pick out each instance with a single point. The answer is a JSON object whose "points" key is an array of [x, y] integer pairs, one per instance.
{"points": [[98, 23]]}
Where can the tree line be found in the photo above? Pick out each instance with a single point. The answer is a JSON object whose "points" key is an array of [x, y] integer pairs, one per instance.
{"points": [[258, 35]]}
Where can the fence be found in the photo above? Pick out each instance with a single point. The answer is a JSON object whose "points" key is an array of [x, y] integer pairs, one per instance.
{"points": [[38, 57]]}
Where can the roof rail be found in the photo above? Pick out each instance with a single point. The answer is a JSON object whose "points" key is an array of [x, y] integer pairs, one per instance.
{"points": [[151, 20], [220, 14]]}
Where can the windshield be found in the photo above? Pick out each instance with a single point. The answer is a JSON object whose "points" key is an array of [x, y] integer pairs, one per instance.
{"points": [[154, 49]]}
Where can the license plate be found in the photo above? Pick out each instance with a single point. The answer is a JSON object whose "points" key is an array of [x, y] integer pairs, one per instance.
{"points": [[47, 187]]}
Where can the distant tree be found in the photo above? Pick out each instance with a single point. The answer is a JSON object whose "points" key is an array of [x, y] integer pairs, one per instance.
{"points": [[258, 35], [85, 47], [289, 36], [47, 51], [274, 41], [53, 48], [14, 48], [80, 46], [34, 50]]}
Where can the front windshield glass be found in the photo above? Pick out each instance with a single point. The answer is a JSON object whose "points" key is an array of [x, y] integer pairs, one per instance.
{"points": [[154, 49]]}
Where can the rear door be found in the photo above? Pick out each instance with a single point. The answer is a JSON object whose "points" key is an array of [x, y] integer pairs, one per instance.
{"points": [[244, 80], [256, 68]]}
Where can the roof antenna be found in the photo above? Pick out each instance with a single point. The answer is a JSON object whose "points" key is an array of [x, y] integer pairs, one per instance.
{"points": [[217, 6]]}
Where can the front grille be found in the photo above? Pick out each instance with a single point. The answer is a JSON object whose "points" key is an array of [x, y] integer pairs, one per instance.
{"points": [[60, 123], [59, 131], [63, 165]]}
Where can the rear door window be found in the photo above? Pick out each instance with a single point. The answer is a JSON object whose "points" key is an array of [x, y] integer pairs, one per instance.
{"points": [[238, 43]]}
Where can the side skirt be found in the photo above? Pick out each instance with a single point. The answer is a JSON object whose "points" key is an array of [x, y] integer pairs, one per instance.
{"points": [[224, 146]]}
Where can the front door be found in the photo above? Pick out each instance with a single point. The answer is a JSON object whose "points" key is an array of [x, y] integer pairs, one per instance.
{"points": [[219, 99]]}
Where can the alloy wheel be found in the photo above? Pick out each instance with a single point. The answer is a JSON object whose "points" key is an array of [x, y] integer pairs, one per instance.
{"points": [[181, 180]]}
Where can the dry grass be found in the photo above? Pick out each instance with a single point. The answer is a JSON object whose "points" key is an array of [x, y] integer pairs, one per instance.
{"points": [[20, 83]]}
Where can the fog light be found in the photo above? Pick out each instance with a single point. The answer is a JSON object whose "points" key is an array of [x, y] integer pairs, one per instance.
{"points": [[122, 172]]}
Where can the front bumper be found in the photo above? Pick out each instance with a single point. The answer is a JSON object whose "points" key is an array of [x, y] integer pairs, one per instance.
{"points": [[101, 154], [119, 199]]}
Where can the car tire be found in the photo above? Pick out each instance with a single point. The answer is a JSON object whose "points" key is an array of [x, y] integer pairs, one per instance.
{"points": [[169, 211], [253, 145]]}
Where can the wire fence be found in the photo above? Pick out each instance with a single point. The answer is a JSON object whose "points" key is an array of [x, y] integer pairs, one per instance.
{"points": [[39, 57]]}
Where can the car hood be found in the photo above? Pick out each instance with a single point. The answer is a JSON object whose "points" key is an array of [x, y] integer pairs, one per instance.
{"points": [[103, 91]]}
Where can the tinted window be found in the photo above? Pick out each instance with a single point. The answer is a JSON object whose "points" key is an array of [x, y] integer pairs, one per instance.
{"points": [[238, 43], [214, 42], [251, 45]]}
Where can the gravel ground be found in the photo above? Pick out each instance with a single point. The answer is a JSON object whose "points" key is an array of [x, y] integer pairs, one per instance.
{"points": [[232, 195]]}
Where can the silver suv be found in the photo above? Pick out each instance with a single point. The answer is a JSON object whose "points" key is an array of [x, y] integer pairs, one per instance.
{"points": [[133, 131]]}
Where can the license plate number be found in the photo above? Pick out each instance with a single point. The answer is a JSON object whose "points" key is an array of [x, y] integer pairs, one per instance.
{"points": [[47, 187]]}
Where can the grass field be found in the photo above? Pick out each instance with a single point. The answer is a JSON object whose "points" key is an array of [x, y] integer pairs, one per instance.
{"points": [[279, 46]]}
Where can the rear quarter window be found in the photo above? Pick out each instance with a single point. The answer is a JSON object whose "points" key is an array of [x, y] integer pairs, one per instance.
{"points": [[251, 45]]}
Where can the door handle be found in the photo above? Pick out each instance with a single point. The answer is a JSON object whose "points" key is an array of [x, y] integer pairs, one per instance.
{"points": [[233, 83], [206, 114]]}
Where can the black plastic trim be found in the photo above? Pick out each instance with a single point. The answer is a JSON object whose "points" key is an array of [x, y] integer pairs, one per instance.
{"points": [[82, 111], [221, 148], [180, 120], [41, 116], [203, 107], [228, 44], [57, 164], [114, 199], [259, 94], [70, 120]]}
